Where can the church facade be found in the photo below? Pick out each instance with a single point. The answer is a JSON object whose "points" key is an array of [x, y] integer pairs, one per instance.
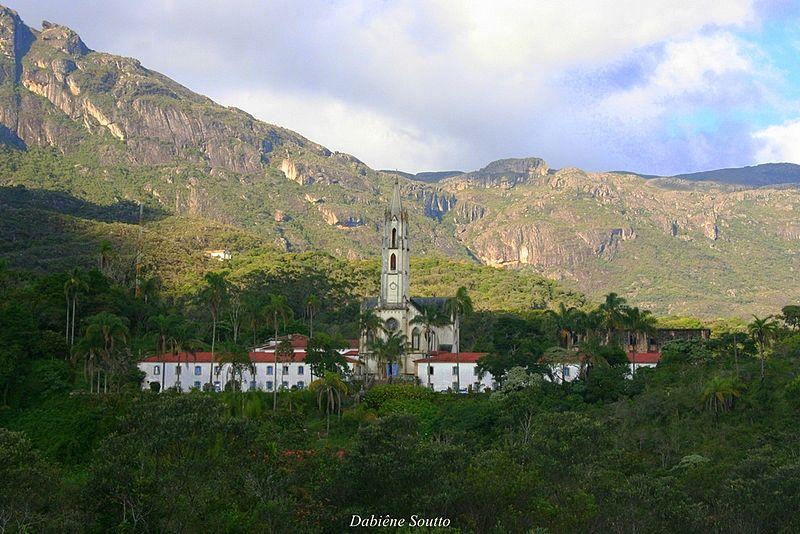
{"points": [[395, 306]]}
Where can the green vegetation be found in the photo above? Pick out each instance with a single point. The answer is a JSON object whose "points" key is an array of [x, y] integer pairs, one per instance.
{"points": [[704, 442]]}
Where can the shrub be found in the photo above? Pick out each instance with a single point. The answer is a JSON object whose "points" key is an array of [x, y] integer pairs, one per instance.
{"points": [[380, 395]]}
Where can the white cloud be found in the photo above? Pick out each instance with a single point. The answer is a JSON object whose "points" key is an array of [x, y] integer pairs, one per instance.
{"points": [[779, 143], [423, 85], [690, 68], [369, 135]]}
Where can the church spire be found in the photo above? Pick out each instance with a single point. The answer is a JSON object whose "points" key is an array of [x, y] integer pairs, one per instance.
{"points": [[394, 207], [395, 252]]}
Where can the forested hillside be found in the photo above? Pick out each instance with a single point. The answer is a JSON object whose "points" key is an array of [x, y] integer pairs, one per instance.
{"points": [[109, 131]]}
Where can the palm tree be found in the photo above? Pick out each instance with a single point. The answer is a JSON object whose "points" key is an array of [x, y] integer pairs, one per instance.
{"points": [[214, 293], [103, 332], [388, 349], [254, 307], [429, 319], [369, 324], [763, 331], [639, 322], [459, 306], [277, 309], [238, 360], [329, 389], [720, 394], [612, 311], [565, 320], [312, 305], [590, 354], [106, 249], [75, 284]]}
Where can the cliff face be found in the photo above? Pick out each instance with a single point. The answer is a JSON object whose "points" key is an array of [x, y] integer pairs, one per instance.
{"points": [[123, 132]]}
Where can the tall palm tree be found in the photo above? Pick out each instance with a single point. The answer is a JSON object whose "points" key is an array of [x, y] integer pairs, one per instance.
{"points": [[429, 319], [75, 284], [106, 249], [369, 324], [329, 390], [763, 331], [388, 349], [312, 305], [459, 306], [104, 331], [720, 394], [590, 354], [612, 311], [639, 322], [276, 309], [565, 320], [214, 293]]}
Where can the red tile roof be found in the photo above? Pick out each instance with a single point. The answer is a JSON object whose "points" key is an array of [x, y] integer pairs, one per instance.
{"points": [[256, 357], [644, 357], [452, 357]]}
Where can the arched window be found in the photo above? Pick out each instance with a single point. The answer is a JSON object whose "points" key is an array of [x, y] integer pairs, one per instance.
{"points": [[415, 339], [433, 344], [393, 263], [394, 237]]}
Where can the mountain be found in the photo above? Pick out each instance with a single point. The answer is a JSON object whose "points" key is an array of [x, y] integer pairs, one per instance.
{"points": [[109, 132], [754, 176]]}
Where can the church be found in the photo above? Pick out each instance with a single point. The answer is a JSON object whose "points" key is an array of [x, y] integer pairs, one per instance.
{"points": [[397, 308]]}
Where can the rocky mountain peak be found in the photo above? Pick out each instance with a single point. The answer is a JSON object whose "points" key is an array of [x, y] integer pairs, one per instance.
{"points": [[63, 39]]}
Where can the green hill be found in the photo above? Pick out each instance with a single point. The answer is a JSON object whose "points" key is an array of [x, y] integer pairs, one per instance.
{"points": [[109, 132]]}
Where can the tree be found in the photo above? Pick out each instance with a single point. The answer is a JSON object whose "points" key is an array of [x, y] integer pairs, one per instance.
{"points": [[612, 312], [106, 250], [388, 349], [104, 332], [791, 316], [763, 331], [429, 319], [329, 390], [639, 322], [235, 310], [720, 394], [276, 309], [323, 356], [459, 306], [369, 324], [214, 294], [312, 305], [75, 284], [565, 321]]}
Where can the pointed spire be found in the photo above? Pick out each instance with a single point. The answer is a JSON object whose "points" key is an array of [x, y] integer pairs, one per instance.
{"points": [[395, 207]]}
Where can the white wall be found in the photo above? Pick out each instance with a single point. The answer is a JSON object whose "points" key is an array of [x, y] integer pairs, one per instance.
{"points": [[443, 377], [298, 375]]}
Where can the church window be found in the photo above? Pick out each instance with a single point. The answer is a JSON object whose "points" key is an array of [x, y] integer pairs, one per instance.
{"points": [[415, 339], [393, 262], [433, 344], [394, 237], [392, 324]]}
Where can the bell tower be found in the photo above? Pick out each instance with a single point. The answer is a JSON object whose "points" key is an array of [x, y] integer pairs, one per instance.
{"points": [[394, 254]]}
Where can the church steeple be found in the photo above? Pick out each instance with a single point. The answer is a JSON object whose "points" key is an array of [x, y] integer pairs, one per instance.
{"points": [[395, 253], [394, 206]]}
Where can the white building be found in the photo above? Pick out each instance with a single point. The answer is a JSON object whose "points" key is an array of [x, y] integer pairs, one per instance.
{"points": [[452, 371], [569, 369], [187, 370], [395, 307]]}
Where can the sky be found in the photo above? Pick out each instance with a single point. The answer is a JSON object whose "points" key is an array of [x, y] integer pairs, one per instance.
{"points": [[652, 86]]}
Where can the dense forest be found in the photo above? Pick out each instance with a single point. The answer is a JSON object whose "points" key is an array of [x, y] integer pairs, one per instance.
{"points": [[705, 441]]}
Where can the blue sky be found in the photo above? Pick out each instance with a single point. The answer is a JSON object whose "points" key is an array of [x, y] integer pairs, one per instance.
{"points": [[659, 87]]}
